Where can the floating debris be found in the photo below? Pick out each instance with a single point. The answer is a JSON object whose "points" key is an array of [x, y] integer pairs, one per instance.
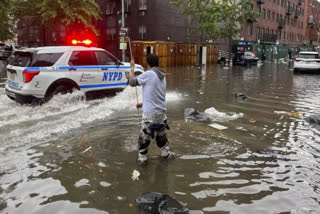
{"points": [[87, 149], [135, 175], [294, 114], [218, 126], [105, 184], [82, 182], [251, 120]]}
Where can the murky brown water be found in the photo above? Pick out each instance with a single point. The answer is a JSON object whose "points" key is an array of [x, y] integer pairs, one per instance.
{"points": [[262, 162]]}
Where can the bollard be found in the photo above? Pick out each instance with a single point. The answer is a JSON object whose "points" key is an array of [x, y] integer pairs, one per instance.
{"points": [[290, 65]]}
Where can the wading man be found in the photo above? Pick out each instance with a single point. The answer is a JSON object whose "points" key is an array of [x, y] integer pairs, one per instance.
{"points": [[154, 119]]}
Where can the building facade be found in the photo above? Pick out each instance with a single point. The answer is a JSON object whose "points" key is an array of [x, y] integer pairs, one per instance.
{"points": [[280, 22], [146, 20], [313, 21]]}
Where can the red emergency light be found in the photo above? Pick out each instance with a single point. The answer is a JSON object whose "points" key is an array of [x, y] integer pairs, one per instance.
{"points": [[86, 42]]}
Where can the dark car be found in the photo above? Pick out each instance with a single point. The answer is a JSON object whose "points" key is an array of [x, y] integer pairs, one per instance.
{"points": [[245, 58], [5, 51]]}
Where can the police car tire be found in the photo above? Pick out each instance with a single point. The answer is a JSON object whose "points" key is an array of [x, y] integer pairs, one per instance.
{"points": [[60, 89]]}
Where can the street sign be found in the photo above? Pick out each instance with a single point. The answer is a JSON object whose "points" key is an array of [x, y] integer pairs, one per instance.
{"points": [[123, 46], [123, 42], [123, 32]]}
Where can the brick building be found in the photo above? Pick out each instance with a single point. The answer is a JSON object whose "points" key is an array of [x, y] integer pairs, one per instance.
{"points": [[147, 20], [313, 21], [280, 21]]}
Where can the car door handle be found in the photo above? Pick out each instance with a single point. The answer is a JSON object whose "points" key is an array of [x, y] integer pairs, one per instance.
{"points": [[104, 69], [72, 69]]}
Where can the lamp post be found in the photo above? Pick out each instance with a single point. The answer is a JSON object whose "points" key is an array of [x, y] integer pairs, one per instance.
{"points": [[123, 51]]}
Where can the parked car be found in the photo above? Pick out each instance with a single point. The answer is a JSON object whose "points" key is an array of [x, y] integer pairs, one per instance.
{"points": [[5, 51], [245, 58], [37, 74], [307, 61]]}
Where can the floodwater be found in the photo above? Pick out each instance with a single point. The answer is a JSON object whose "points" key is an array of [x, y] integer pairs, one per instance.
{"points": [[77, 156]]}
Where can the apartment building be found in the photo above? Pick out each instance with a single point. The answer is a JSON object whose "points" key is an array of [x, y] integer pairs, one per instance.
{"points": [[147, 20], [280, 22]]}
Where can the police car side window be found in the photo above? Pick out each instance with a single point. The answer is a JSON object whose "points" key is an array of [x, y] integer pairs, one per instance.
{"points": [[104, 58], [81, 58]]}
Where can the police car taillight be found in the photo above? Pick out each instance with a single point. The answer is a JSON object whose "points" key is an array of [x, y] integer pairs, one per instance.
{"points": [[83, 42], [28, 75]]}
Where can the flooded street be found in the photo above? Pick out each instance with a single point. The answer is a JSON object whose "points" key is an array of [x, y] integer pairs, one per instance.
{"points": [[258, 155]]}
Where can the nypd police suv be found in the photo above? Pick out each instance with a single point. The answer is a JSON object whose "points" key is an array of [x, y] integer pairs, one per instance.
{"points": [[40, 73]]}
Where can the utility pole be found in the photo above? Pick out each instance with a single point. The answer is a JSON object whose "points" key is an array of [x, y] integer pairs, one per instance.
{"points": [[123, 51]]}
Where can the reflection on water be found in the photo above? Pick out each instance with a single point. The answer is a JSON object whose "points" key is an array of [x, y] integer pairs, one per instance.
{"points": [[75, 156]]}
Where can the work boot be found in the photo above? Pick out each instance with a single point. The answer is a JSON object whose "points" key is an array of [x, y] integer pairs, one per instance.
{"points": [[165, 153], [142, 158]]}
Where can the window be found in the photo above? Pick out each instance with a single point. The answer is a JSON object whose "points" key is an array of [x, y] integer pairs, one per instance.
{"points": [[268, 14], [142, 31], [249, 28], [258, 33], [127, 5], [308, 56], [264, 13], [273, 16], [104, 58], [45, 59], [259, 10], [262, 33], [21, 59], [250, 6], [277, 19], [111, 33], [82, 58], [142, 4]]}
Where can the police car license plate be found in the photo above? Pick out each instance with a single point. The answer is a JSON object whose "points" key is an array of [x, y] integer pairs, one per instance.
{"points": [[13, 84], [11, 94]]}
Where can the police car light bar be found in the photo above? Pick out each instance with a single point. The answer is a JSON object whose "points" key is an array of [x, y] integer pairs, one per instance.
{"points": [[83, 42]]}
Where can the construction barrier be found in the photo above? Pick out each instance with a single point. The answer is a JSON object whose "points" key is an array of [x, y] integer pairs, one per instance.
{"points": [[172, 53]]}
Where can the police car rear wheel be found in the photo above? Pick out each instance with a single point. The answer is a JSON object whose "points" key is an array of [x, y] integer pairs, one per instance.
{"points": [[61, 89]]}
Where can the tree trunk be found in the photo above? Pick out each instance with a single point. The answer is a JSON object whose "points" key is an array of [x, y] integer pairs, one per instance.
{"points": [[230, 50], [44, 35]]}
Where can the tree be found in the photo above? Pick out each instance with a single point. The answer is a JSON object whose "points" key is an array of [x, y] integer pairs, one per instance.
{"points": [[66, 12], [235, 13], [201, 15], [217, 18], [5, 32]]}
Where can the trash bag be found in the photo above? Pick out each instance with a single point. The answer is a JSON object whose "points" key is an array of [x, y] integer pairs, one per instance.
{"points": [[240, 96], [157, 203], [192, 114], [314, 119]]}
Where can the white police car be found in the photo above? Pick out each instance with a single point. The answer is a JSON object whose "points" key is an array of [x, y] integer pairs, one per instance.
{"points": [[40, 73]]}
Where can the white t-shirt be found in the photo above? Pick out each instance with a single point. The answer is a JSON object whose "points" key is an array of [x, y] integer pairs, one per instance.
{"points": [[153, 92]]}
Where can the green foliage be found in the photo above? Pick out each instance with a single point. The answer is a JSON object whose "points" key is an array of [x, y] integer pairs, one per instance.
{"points": [[5, 21], [217, 18], [66, 12]]}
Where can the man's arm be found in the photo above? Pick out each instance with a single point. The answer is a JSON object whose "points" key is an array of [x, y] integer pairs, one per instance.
{"points": [[133, 82]]}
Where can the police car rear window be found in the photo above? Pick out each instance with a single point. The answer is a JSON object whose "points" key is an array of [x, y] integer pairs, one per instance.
{"points": [[45, 59], [21, 59], [28, 59]]}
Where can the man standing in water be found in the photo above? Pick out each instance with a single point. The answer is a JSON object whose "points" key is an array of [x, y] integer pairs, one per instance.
{"points": [[154, 119]]}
